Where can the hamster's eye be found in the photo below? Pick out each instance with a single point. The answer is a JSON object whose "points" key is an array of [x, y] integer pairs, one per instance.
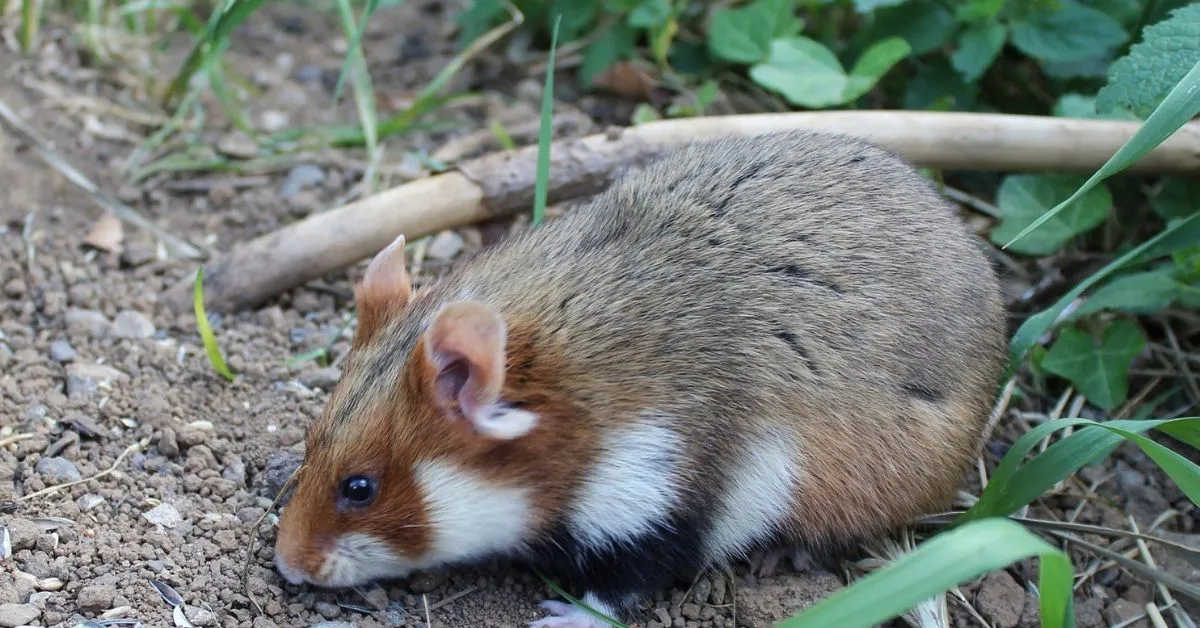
{"points": [[358, 490]]}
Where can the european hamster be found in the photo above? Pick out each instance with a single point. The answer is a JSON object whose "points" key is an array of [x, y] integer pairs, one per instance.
{"points": [[787, 340]]}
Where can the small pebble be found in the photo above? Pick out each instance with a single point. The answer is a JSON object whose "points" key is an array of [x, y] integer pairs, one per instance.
{"points": [[95, 597], [61, 351], [87, 322], [164, 515], [89, 502], [321, 379], [138, 253], [237, 144], [132, 324], [84, 380], [168, 444], [272, 120], [12, 615], [327, 610], [57, 470], [23, 533], [445, 246]]}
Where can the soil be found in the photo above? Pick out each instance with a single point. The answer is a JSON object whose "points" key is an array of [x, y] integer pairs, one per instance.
{"points": [[96, 378]]}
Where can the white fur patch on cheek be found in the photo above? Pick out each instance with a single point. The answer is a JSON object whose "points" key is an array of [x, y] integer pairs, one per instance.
{"points": [[358, 558], [470, 517], [501, 421], [759, 496], [632, 485]]}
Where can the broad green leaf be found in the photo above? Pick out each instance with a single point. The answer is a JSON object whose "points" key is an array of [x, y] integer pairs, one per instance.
{"points": [[578, 16], [873, 64], [1071, 32], [869, 6], [1125, 12], [947, 560], [742, 35], [481, 17], [978, 47], [1094, 68], [1016, 483], [1180, 106], [804, 72], [1177, 198], [1168, 50], [1179, 234], [809, 75], [925, 25], [978, 10], [938, 86], [650, 14], [1080, 106], [1099, 369], [1137, 293], [1022, 198], [615, 44]]}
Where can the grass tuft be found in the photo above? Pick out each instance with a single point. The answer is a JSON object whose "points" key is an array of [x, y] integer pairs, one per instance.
{"points": [[542, 183], [206, 333]]}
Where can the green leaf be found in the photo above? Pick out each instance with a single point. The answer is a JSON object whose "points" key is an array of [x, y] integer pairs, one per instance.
{"points": [[1141, 79], [578, 16], [1180, 106], [869, 6], [873, 64], [938, 86], [479, 19], [947, 560], [1099, 370], [804, 72], [979, 10], [1080, 106], [650, 14], [615, 44], [978, 47], [926, 26], [1095, 67], [1072, 33], [1177, 198], [1022, 200], [1179, 234], [808, 74], [206, 333], [1137, 293], [744, 35]]}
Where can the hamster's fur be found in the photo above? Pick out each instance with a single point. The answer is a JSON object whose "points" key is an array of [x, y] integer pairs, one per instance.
{"points": [[781, 340]]}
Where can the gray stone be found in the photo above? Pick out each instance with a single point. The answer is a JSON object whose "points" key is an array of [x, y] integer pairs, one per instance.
{"points": [[61, 351], [87, 322], [132, 324], [321, 379], [12, 615], [301, 177], [444, 246], [138, 253], [23, 533], [89, 502], [280, 466], [168, 443], [84, 380], [200, 616], [237, 144], [96, 597], [164, 515], [57, 470]]}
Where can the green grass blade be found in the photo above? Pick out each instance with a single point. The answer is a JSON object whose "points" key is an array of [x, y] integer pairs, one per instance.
{"points": [[355, 44], [206, 333], [364, 91], [1178, 234], [220, 26], [1014, 484], [572, 599], [541, 185], [31, 19], [1181, 105], [941, 563]]}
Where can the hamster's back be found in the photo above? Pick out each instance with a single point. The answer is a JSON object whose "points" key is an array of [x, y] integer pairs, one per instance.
{"points": [[799, 288]]}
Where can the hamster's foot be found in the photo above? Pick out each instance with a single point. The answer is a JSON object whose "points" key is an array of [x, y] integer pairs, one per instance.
{"points": [[764, 563], [564, 615]]}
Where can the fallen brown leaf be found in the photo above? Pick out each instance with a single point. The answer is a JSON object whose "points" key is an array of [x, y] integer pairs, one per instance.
{"points": [[107, 234]]}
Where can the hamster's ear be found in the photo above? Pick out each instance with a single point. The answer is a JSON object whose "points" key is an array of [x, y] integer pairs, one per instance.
{"points": [[465, 344], [384, 288]]}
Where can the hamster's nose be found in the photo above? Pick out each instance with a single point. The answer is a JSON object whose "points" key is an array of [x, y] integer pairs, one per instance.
{"points": [[289, 573]]}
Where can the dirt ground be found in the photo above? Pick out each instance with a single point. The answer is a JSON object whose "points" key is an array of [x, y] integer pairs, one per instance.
{"points": [[91, 367]]}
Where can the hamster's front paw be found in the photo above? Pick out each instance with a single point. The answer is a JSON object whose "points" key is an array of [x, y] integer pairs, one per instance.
{"points": [[764, 563], [564, 615]]}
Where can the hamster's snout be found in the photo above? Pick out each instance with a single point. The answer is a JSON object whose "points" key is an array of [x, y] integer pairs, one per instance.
{"points": [[289, 573]]}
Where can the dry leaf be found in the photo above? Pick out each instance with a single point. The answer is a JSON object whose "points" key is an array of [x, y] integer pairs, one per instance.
{"points": [[627, 78], [106, 234]]}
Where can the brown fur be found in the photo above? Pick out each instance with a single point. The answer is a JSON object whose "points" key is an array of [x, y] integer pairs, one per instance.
{"points": [[802, 281]]}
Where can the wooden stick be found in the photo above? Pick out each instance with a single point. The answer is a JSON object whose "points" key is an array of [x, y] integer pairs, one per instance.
{"points": [[502, 183]]}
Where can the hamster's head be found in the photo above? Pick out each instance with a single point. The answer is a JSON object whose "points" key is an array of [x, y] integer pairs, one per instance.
{"points": [[399, 468]]}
